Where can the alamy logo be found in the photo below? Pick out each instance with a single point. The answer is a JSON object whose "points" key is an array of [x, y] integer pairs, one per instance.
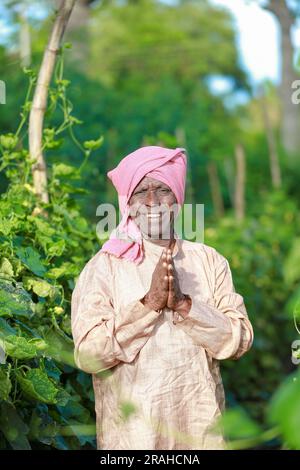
{"points": [[295, 97], [296, 352], [2, 92]]}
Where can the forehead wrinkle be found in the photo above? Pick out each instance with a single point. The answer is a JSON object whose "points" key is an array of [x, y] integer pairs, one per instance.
{"points": [[155, 183]]}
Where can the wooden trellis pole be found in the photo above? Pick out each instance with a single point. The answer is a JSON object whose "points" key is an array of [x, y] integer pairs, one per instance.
{"points": [[39, 103]]}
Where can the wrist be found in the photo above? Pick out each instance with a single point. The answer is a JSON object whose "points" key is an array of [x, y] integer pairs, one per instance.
{"points": [[183, 307], [148, 302]]}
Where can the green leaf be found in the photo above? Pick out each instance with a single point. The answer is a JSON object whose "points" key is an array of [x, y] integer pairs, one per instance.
{"points": [[5, 328], [284, 410], [56, 248], [74, 120], [39, 286], [67, 269], [39, 343], [68, 188], [293, 305], [60, 347], [74, 410], [61, 169], [43, 226], [51, 369], [13, 427], [42, 427], [19, 347], [238, 425], [36, 384], [31, 259], [53, 144], [5, 384], [62, 398], [8, 141], [6, 225], [63, 82], [6, 268], [15, 301], [93, 144], [291, 268]]}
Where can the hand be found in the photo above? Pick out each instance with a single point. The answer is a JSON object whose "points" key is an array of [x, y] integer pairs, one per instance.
{"points": [[157, 296], [177, 301]]}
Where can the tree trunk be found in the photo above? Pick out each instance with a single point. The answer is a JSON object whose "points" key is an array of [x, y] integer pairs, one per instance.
{"points": [[239, 197], [229, 174], [181, 142], [273, 155], [39, 103], [215, 188], [290, 120]]}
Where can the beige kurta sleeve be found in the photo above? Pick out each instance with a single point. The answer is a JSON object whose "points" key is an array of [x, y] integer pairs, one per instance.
{"points": [[223, 329], [102, 339]]}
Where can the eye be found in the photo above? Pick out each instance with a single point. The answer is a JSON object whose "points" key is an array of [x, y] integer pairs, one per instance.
{"points": [[139, 192], [165, 190]]}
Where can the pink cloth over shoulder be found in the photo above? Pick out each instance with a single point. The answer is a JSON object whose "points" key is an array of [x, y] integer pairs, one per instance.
{"points": [[164, 164]]}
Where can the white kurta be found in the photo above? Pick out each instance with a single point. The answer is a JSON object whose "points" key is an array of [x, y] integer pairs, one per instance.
{"points": [[166, 366]]}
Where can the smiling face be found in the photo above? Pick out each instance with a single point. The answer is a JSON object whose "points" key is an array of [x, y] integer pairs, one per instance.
{"points": [[152, 205]]}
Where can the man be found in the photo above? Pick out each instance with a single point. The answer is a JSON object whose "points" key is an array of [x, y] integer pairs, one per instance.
{"points": [[157, 313]]}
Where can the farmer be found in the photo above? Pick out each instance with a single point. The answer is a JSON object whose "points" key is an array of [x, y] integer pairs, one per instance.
{"points": [[157, 313]]}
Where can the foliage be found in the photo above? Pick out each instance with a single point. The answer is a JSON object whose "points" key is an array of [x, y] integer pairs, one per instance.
{"points": [[45, 400], [265, 270]]}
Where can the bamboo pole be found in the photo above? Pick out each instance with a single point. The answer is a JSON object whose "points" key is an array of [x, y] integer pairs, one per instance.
{"points": [[39, 103]]}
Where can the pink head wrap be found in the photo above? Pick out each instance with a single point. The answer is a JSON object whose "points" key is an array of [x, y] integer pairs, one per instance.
{"points": [[164, 164]]}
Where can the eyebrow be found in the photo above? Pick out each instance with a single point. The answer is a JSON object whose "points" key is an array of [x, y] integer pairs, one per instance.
{"points": [[145, 187]]}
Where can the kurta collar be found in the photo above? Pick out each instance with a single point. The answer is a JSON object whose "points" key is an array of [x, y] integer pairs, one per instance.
{"points": [[151, 247]]}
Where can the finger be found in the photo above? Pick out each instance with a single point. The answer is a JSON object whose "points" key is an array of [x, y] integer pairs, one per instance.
{"points": [[163, 254], [170, 262], [164, 261], [162, 258], [171, 283], [165, 283]]}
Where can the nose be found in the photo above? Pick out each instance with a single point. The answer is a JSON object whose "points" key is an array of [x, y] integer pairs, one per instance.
{"points": [[152, 199]]}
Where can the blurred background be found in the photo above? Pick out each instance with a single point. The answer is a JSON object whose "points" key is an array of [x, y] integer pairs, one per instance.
{"points": [[218, 77]]}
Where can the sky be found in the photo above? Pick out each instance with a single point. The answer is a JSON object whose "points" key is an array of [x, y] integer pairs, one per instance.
{"points": [[258, 39]]}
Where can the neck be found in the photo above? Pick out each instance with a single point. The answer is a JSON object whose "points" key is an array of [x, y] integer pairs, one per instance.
{"points": [[163, 241]]}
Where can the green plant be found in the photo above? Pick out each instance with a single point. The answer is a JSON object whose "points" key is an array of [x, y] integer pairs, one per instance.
{"points": [[263, 254], [44, 399]]}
